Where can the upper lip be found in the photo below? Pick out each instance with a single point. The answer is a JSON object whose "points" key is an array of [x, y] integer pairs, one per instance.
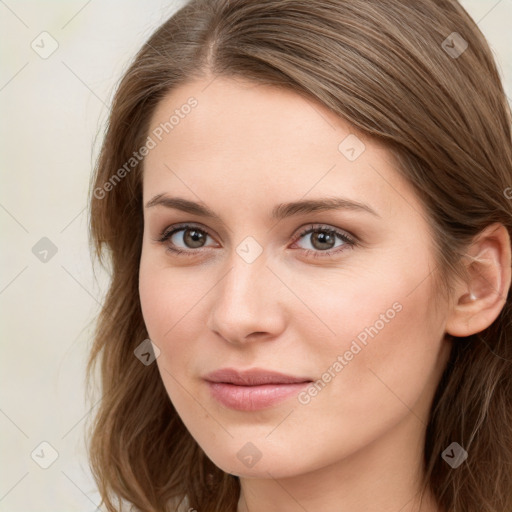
{"points": [[252, 377]]}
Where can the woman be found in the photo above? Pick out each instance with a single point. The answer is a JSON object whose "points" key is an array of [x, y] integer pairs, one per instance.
{"points": [[305, 205]]}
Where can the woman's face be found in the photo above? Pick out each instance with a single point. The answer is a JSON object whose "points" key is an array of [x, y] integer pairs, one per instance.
{"points": [[340, 297]]}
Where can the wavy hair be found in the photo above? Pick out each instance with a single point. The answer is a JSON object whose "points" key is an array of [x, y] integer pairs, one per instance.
{"points": [[389, 68]]}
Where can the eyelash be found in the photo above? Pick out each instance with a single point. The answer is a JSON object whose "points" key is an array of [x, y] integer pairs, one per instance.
{"points": [[167, 233]]}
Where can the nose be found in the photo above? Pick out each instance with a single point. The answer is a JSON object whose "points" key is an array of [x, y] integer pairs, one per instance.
{"points": [[248, 303]]}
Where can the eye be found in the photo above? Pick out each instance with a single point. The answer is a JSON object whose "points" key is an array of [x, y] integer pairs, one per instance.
{"points": [[193, 238], [322, 239]]}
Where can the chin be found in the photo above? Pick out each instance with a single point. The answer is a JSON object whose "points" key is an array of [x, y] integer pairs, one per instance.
{"points": [[262, 465]]}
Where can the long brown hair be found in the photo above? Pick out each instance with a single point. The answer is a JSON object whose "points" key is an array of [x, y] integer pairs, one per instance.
{"points": [[397, 72]]}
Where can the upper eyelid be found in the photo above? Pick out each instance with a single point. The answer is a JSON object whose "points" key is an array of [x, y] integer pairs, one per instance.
{"points": [[179, 227]]}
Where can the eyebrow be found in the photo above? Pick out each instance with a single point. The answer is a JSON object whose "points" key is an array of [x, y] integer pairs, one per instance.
{"points": [[279, 212]]}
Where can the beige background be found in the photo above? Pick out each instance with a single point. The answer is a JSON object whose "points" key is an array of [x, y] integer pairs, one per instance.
{"points": [[52, 112]]}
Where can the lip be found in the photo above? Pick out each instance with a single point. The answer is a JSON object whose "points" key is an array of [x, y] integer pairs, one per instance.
{"points": [[253, 389]]}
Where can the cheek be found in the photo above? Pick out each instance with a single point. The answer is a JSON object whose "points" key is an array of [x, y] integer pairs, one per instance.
{"points": [[384, 338], [155, 301], [166, 297], [172, 303], [387, 354], [377, 371], [167, 308]]}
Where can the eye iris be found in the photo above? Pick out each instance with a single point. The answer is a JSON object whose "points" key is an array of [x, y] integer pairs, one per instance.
{"points": [[323, 237], [192, 237]]}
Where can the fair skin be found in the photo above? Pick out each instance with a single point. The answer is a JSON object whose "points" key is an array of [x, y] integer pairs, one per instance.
{"points": [[357, 444]]}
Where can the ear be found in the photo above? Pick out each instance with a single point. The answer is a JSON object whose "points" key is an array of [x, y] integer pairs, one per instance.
{"points": [[479, 301]]}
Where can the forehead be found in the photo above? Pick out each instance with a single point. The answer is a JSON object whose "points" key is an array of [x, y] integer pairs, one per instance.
{"points": [[259, 144]]}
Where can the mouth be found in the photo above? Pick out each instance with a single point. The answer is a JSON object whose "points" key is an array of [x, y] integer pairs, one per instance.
{"points": [[253, 389]]}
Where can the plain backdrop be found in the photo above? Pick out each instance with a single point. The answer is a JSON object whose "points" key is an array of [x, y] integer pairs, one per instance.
{"points": [[53, 110]]}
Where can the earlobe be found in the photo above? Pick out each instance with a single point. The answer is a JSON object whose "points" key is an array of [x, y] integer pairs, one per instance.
{"points": [[478, 302]]}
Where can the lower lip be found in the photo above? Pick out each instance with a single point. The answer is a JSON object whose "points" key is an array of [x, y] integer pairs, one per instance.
{"points": [[253, 398]]}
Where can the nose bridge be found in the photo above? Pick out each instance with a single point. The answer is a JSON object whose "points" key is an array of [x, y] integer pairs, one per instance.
{"points": [[241, 289], [244, 301]]}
